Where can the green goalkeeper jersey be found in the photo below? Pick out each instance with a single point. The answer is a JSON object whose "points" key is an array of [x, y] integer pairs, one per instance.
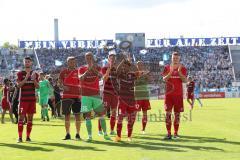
{"points": [[141, 88], [44, 88]]}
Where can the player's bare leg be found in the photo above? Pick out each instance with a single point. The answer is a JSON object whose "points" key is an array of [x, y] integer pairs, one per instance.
{"points": [[131, 121], [11, 115], [119, 127], [144, 121], [3, 115], [168, 125], [190, 103], [113, 121], [176, 123], [78, 125], [67, 127], [54, 107], [193, 101]]}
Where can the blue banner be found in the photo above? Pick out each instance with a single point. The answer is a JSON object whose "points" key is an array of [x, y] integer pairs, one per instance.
{"points": [[65, 44], [193, 42], [181, 42]]}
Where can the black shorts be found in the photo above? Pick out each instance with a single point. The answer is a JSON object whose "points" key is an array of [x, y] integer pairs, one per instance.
{"points": [[69, 104]]}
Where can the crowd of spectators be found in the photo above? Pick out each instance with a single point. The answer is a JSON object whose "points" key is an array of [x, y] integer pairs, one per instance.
{"points": [[210, 66]]}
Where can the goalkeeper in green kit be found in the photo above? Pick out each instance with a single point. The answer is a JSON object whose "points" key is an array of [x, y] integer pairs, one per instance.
{"points": [[43, 92]]}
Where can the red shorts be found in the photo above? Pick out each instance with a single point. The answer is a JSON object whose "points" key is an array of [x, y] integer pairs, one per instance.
{"points": [[173, 102], [143, 105], [5, 104], [110, 101], [27, 107], [190, 96], [124, 108]]}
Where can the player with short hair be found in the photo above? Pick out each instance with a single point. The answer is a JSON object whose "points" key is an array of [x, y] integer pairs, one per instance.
{"points": [[71, 100], [44, 89], [90, 92], [126, 73], [142, 93], [27, 82], [174, 75], [5, 101], [190, 90], [110, 95]]}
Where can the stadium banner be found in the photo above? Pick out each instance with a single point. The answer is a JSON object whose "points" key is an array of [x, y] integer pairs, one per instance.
{"points": [[181, 42], [204, 95], [65, 44], [212, 95]]}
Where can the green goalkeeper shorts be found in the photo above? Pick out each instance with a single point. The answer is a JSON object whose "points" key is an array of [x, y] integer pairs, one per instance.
{"points": [[90, 103]]}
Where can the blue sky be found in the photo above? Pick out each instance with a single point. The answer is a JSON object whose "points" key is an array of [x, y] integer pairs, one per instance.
{"points": [[101, 19]]}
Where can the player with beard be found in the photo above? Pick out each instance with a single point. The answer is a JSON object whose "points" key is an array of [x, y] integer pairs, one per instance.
{"points": [[27, 82], [126, 75]]}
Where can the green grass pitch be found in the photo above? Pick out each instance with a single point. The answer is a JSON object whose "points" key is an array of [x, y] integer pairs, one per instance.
{"points": [[208, 133]]}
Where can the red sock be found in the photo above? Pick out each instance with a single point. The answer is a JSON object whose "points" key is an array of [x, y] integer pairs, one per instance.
{"points": [[112, 122], [99, 125], [176, 122], [29, 128], [131, 120], [119, 125], [144, 122], [20, 128], [168, 123]]}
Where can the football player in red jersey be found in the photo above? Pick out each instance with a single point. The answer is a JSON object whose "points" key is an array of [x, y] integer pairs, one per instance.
{"points": [[126, 75], [6, 105], [190, 92], [174, 75], [27, 82], [142, 92], [90, 75], [70, 84], [110, 97]]}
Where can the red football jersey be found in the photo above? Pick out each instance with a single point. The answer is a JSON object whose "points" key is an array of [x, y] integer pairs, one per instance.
{"points": [[174, 83], [190, 87], [27, 91], [126, 87], [90, 84], [6, 93], [70, 79], [110, 85]]}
